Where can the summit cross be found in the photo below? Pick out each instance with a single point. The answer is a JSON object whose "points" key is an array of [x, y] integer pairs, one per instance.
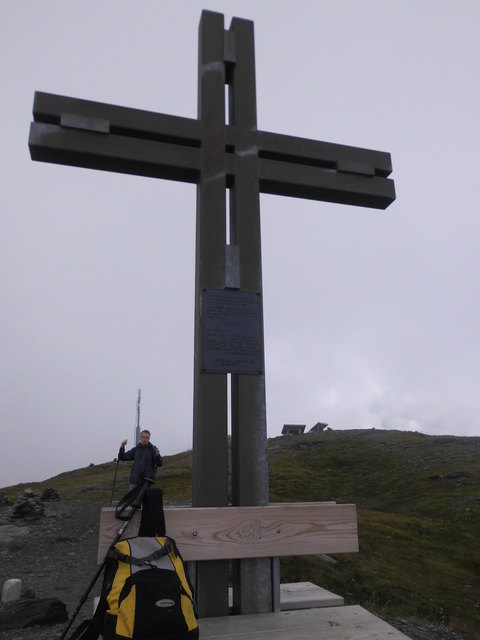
{"points": [[223, 154]]}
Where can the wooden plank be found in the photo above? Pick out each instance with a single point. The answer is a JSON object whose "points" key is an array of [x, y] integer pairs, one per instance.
{"points": [[214, 533], [330, 623], [304, 595]]}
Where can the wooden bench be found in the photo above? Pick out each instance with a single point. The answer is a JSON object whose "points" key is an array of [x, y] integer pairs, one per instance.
{"points": [[211, 533], [230, 533]]}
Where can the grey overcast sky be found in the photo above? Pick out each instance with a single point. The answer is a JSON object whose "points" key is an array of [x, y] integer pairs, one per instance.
{"points": [[371, 318]]}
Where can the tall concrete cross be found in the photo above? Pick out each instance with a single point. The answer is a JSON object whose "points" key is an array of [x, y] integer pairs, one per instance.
{"points": [[221, 157]]}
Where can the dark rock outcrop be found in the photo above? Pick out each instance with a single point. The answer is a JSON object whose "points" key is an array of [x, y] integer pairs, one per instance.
{"points": [[27, 613]]}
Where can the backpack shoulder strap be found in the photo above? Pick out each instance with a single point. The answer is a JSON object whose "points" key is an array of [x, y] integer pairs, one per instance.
{"points": [[164, 550], [122, 510], [152, 521]]}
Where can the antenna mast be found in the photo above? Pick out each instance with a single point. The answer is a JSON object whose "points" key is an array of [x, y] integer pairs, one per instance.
{"points": [[137, 425]]}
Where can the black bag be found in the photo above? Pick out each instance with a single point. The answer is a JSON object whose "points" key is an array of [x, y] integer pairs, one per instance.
{"points": [[146, 593], [149, 595]]}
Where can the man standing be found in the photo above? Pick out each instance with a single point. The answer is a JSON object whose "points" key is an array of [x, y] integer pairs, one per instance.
{"points": [[146, 458]]}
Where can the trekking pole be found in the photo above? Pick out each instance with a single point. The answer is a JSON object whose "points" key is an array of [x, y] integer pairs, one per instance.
{"points": [[135, 504], [114, 481]]}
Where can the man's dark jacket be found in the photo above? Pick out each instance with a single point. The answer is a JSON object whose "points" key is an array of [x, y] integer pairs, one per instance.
{"points": [[144, 462]]}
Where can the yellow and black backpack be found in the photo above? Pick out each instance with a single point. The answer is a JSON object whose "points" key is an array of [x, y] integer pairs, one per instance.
{"points": [[148, 593]]}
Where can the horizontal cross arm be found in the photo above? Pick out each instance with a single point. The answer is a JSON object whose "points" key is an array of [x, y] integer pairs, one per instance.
{"points": [[327, 155], [315, 170], [94, 150], [103, 136], [95, 135], [328, 185], [123, 121]]}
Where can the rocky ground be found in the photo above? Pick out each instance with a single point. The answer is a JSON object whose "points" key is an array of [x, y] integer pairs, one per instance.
{"points": [[54, 553]]}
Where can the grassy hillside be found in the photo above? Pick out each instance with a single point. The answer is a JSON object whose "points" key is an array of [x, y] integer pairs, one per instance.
{"points": [[418, 500]]}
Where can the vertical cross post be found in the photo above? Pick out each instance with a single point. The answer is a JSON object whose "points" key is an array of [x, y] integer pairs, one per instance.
{"points": [[210, 443], [249, 431], [227, 57]]}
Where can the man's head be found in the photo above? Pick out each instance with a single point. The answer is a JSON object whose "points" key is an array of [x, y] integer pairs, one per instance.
{"points": [[144, 437]]}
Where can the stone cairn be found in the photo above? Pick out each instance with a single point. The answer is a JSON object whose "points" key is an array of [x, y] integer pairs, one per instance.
{"points": [[50, 495], [27, 507]]}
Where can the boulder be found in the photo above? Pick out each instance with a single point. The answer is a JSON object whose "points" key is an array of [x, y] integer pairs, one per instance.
{"points": [[27, 613], [13, 536]]}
